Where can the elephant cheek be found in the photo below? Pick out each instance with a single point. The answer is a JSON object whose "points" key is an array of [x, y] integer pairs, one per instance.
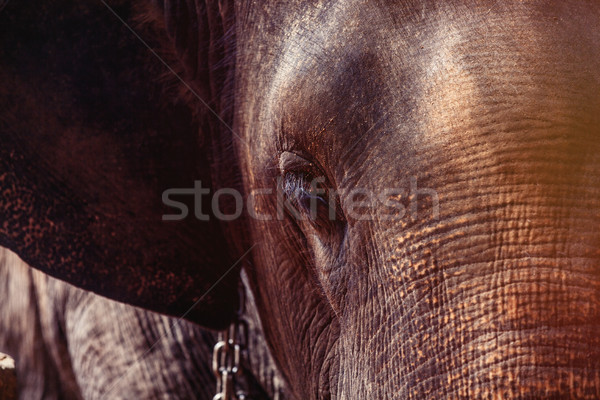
{"points": [[477, 326]]}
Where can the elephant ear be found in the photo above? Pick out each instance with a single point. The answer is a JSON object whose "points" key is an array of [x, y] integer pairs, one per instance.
{"points": [[88, 147]]}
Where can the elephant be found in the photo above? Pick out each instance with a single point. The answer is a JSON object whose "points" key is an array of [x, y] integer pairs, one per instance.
{"points": [[73, 344], [410, 187]]}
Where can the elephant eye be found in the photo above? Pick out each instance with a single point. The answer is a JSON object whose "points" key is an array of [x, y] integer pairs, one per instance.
{"points": [[308, 194], [304, 188]]}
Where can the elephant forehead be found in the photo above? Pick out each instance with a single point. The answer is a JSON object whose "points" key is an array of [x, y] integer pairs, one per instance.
{"points": [[431, 77], [508, 67]]}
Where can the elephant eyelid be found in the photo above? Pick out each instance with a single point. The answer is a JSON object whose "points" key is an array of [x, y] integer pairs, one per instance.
{"points": [[291, 162], [299, 175]]}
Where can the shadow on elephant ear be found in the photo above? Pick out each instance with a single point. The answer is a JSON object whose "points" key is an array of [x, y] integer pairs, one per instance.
{"points": [[90, 141]]}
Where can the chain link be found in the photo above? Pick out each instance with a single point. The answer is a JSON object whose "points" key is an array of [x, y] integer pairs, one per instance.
{"points": [[226, 362]]}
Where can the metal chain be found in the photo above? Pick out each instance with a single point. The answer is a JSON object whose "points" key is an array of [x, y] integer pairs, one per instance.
{"points": [[227, 353]]}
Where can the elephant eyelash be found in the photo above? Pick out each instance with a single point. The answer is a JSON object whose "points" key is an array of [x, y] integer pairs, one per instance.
{"points": [[297, 188], [311, 200], [299, 185]]}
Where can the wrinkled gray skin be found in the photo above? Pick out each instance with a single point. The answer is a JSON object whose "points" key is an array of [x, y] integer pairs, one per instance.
{"points": [[494, 105], [73, 344]]}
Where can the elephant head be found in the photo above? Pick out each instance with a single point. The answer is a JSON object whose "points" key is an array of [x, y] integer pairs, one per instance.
{"points": [[421, 183]]}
